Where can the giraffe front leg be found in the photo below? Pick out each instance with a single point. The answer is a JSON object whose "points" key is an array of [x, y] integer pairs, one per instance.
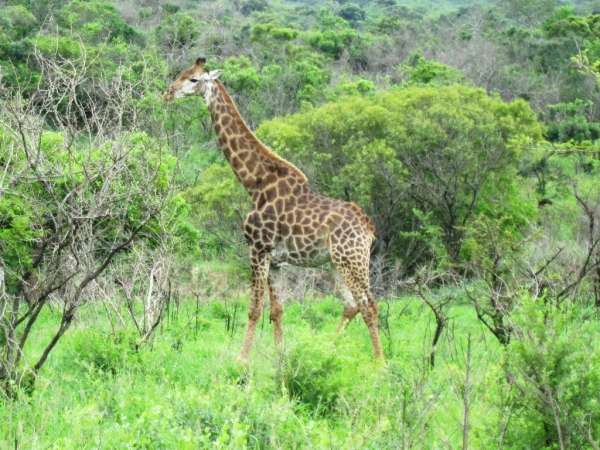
{"points": [[260, 274], [276, 306]]}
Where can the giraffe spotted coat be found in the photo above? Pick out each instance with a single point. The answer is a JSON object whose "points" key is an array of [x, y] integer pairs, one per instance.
{"points": [[289, 223]]}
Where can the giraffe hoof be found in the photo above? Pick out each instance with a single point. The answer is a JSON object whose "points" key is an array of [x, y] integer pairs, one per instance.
{"points": [[243, 360], [380, 362]]}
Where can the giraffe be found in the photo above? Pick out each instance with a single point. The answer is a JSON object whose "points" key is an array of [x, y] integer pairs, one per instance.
{"points": [[289, 223]]}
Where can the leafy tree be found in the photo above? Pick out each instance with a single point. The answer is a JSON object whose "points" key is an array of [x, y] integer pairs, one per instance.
{"points": [[422, 72], [352, 13], [171, 8], [18, 21], [177, 32], [249, 6], [568, 122], [449, 152], [74, 194], [564, 23], [219, 204], [96, 21], [266, 33], [241, 76], [332, 36], [40, 8], [528, 13]]}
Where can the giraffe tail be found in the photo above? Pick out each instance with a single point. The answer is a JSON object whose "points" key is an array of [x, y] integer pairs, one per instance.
{"points": [[376, 246]]}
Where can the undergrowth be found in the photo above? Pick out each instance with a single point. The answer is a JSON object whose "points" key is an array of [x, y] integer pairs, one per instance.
{"points": [[184, 390]]}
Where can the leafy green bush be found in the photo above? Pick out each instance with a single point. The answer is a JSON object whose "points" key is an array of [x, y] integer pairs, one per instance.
{"points": [[569, 122], [101, 351], [553, 364], [421, 72], [317, 372]]}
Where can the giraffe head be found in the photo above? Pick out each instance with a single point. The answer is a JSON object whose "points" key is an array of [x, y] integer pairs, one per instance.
{"points": [[193, 81]]}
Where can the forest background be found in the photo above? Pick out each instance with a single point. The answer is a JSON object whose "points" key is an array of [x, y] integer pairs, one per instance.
{"points": [[467, 130]]}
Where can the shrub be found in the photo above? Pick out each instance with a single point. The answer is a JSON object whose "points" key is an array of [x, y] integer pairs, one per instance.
{"points": [[107, 353], [315, 372]]}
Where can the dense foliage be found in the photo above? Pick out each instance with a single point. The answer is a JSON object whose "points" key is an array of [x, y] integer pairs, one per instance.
{"points": [[467, 130]]}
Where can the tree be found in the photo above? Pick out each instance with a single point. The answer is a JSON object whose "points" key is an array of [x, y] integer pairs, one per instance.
{"points": [[78, 188], [528, 13], [177, 33], [332, 36], [422, 72], [96, 21], [449, 153], [352, 13]]}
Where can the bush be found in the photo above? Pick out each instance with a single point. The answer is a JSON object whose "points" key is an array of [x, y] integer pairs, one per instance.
{"points": [[106, 353], [553, 364], [315, 372]]}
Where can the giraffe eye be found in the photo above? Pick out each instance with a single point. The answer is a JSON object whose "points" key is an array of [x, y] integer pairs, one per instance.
{"points": [[194, 80]]}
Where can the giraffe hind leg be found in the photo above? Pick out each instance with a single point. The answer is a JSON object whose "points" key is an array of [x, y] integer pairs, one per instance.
{"points": [[350, 307], [357, 280]]}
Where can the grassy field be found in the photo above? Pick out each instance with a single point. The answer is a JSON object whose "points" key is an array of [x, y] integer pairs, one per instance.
{"points": [[185, 390]]}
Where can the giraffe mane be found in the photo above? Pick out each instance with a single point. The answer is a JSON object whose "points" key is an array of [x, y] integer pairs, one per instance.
{"points": [[262, 148]]}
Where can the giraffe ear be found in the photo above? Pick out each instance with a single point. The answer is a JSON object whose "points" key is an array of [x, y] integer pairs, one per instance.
{"points": [[214, 74]]}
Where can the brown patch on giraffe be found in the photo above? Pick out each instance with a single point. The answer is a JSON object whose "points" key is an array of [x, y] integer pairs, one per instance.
{"points": [[269, 211], [279, 205], [270, 179], [271, 195], [290, 203], [233, 144], [234, 127], [236, 163], [261, 200], [284, 188], [284, 229], [251, 164]]}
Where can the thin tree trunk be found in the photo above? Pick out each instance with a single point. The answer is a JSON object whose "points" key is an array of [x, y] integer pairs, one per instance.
{"points": [[467, 396]]}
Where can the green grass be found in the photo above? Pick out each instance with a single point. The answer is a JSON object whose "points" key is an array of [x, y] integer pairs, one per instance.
{"points": [[185, 389]]}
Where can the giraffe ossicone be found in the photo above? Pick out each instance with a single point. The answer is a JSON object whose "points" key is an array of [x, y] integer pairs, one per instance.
{"points": [[289, 223]]}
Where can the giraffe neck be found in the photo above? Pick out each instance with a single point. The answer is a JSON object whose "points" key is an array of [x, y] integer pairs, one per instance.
{"points": [[255, 165]]}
